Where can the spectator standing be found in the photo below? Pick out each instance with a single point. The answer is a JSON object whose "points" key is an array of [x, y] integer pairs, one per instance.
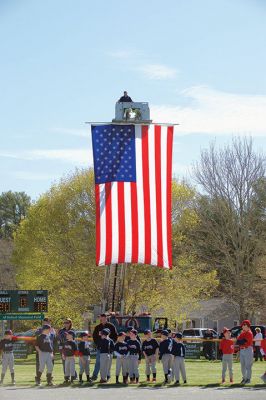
{"points": [[97, 338], [209, 345], [125, 99], [257, 345]]}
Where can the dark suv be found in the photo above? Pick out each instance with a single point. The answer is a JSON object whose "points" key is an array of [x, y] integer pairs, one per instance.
{"points": [[235, 331]]}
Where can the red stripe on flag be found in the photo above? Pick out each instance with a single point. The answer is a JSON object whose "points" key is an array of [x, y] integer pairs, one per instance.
{"points": [[170, 132], [98, 225], [146, 194], [158, 183], [134, 218], [108, 211], [121, 222]]}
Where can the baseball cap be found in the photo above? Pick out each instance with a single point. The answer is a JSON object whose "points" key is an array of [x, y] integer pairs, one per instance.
{"points": [[46, 326], [121, 334], [246, 322], [225, 330], [105, 331], [103, 315], [134, 331], [178, 335], [8, 332], [83, 334], [147, 331], [165, 332]]}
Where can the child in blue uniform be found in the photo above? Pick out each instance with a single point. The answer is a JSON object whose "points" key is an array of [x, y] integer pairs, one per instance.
{"points": [[150, 349], [121, 353], [134, 357], [178, 351], [165, 354], [84, 357], [106, 347], [6, 346]]}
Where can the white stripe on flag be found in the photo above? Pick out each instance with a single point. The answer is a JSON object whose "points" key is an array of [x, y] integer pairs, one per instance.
{"points": [[139, 184], [164, 134], [153, 205], [115, 233], [102, 224], [128, 222]]}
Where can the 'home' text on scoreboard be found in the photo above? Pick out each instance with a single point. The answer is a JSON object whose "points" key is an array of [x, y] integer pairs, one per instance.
{"points": [[17, 301]]}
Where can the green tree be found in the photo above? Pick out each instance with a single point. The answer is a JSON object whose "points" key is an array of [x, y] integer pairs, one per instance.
{"points": [[55, 250], [13, 208], [55, 247]]}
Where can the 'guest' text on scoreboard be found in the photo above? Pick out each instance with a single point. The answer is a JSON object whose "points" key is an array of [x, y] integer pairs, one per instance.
{"points": [[17, 301]]}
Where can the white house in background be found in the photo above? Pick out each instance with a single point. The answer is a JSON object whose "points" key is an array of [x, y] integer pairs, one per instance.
{"points": [[215, 313]]}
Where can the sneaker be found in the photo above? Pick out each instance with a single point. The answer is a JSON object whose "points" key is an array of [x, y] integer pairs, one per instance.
{"points": [[247, 381], [243, 381], [263, 377], [177, 383], [148, 379], [231, 380], [185, 381], [153, 379], [103, 381], [223, 381]]}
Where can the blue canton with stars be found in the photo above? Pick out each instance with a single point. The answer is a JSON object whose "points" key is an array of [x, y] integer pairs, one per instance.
{"points": [[114, 153]]}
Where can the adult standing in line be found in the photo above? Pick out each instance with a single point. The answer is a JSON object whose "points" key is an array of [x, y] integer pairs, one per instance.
{"points": [[61, 338], [97, 338], [245, 341]]}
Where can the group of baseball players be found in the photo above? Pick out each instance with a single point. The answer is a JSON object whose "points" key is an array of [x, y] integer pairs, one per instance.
{"points": [[128, 350]]}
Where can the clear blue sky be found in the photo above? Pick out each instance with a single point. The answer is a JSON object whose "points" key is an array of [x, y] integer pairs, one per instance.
{"points": [[199, 63]]}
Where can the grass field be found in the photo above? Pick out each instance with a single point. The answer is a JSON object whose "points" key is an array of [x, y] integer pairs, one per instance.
{"points": [[199, 373]]}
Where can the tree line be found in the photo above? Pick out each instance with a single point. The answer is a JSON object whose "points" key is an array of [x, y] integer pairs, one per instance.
{"points": [[218, 240]]}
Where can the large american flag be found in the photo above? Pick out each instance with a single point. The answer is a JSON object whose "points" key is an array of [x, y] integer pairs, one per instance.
{"points": [[133, 174]]}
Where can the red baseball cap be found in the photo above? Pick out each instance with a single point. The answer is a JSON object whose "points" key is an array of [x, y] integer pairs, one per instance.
{"points": [[246, 322], [225, 330]]}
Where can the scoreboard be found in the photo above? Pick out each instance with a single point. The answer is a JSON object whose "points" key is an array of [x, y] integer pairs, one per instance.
{"points": [[17, 301]]}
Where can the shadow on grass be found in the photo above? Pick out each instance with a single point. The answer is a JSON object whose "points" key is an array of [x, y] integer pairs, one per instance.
{"points": [[141, 385]]}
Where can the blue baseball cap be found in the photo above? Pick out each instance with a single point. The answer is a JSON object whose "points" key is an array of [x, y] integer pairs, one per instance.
{"points": [[105, 331], [46, 326]]}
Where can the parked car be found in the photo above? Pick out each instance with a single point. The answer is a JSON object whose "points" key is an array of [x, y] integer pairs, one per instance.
{"points": [[198, 333]]}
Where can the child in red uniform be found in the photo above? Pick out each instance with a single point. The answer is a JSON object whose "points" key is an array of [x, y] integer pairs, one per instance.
{"points": [[263, 348], [245, 341], [227, 349]]}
